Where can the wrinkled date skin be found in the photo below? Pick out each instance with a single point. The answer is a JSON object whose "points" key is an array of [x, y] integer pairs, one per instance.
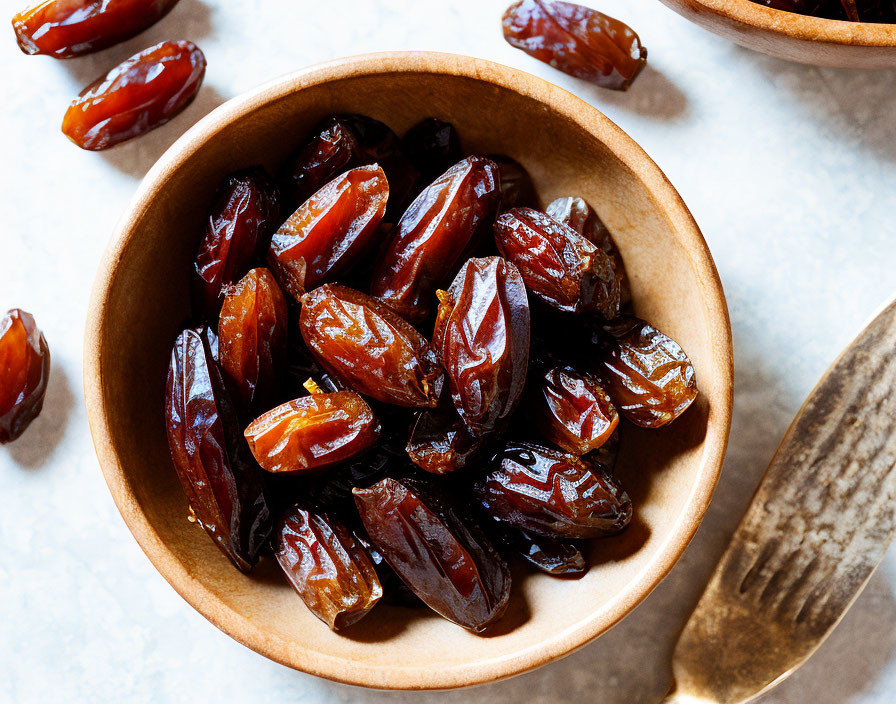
{"points": [[572, 410], [140, 94], [517, 187], [368, 347], [313, 432], [482, 337], [330, 231], [252, 334], [647, 374], [558, 264], [553, 493], [560, 558], [444, 222], [66, 28], [433, 146], [440, 442], [241, 219], [223, 484], [440, 555], [327, 567], [24, 372], [576, 40], [581, 217]]}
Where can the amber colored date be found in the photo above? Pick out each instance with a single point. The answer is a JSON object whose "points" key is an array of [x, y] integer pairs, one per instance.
{"points": [[482, 337], [581, 217], [66, 28], [313, 432], [440, 442], [24, 372], [433, 146], [330, 231], [647, 374], [370, 348], [576, 40], [222, 482], [553, 493], [327, 567], [241, 219], [252, 334], [140, 94], [517, 187], [443, 222], [558, 264], [572, 410], [440, 555]]}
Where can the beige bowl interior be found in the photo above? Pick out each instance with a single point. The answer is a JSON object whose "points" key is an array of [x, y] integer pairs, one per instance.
{"points": [[140, 301]]}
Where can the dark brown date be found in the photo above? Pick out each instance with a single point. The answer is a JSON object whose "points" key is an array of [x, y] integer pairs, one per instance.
{"points": [[66, 28], [223, 484], [517, 187], [553, 493], [576, 40], [368, 347], [327, 567], [312, 432], [433, 146], [252, 334], [440, 555], [445, 221], [572, 410], [140, 94], [330, 231], [440, 442], [239, 224], [560, 558], [24, 372], [647, 374], [482, 337], [581, 217], [558, 264]]}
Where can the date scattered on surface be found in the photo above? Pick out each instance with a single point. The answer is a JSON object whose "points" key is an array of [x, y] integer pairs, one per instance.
{"points": [[368, 347], [140, 94], [577, 40], [67, 28], [313, 432], [24, 372], [462, 577], [327, 567], [223, 484]]}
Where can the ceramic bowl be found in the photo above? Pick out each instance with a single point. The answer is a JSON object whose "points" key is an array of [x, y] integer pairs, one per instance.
{"points": [[141, 298], [785, 35]]}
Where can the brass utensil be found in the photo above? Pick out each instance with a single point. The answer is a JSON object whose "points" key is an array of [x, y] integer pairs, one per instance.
{"points": [[819, 524]]}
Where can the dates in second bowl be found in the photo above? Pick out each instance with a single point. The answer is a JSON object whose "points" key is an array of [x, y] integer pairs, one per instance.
{"points": [[24, 371]]}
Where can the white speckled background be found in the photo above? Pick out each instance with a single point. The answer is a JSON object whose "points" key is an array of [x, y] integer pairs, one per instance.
{"points": [[790, 171]]}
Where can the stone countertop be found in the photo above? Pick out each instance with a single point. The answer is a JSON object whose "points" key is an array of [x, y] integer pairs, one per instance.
{"points": [[789, 170]]}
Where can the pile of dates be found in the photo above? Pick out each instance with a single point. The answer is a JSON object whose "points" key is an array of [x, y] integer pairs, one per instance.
{"points": [[881, 11], [401, 373]]}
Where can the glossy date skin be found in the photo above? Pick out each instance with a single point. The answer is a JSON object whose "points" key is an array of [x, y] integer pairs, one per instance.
{"points": [[559, 558], [445, 221], [433, 146], [647, 374], [328, 568], [140, 94], [482, 337], [572, 410], [312, 432], [244, 214], [581, 217], [368, 347], [439, 554], [252, 335], [221, 480], [67, 28], [559, 265], [24, 372], [553, 493], [330, 230], [440, 442], [576, 40]]}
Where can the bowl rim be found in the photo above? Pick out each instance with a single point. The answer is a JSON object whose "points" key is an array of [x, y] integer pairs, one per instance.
{"points": [[666, 199], [802, 27]]}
